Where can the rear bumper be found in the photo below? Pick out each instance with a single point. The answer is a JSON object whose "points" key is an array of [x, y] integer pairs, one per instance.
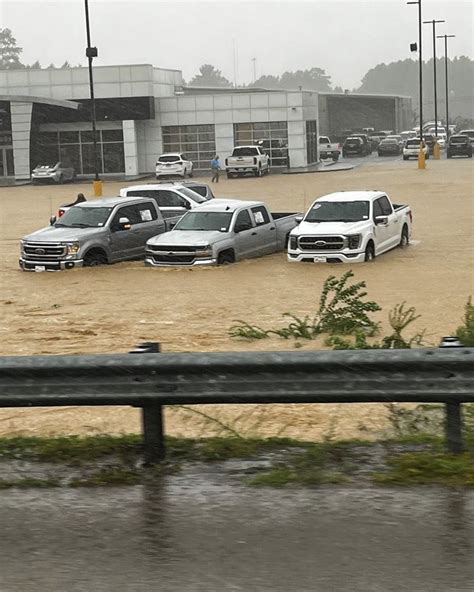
{"points": [[333, 257], [28, 265]]}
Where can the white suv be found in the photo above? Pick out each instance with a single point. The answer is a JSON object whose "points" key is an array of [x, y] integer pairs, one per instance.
{"points": [[173, 163], [173, 199]]}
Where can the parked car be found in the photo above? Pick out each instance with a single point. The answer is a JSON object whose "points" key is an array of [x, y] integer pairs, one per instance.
{"points": [[328, 149], [389, 147], [221, 231], [61, 172], [202, 188], [94, 233], [412, 149], [353, 147], [469, 133], [459, 145], [247, 159], [398, 138], [173, 199], [350, 227], [173, 163], [375, 139], [366, 142]]}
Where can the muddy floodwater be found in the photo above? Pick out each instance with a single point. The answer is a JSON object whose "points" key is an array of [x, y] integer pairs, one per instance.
{"points": [[110, 309], [202, 531]]}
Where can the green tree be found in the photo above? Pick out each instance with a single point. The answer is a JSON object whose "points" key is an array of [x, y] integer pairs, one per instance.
{"points": [[209, 76], [9, 51]]}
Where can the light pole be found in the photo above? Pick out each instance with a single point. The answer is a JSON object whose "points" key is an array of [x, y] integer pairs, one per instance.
{"points": [[435, 91], [446, 37], [254, 60], [91, 52], [421, 154]]}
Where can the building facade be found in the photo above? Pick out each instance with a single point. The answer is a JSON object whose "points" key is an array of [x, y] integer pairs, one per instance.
{"points": [[142, 111]]}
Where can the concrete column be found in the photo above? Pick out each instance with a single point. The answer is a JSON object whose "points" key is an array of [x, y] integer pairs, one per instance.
{"points": [[297, 144], [224, 141], [130, 147], [21, 129]]}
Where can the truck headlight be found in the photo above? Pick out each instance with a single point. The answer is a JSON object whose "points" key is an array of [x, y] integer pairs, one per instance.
{"points": [[72, 248], [353, 241], [293, 242], [205, 251]]}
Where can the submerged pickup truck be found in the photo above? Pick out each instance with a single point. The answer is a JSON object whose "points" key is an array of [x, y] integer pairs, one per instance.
{"points": [[94, 233], [350, 227], [222, 231], [328, 149], [247, 159]]}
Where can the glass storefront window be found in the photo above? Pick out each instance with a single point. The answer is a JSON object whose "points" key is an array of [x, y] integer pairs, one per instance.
{"points": [[70, 155], [115, 135], [271, 136], [114, 160], [68, 137], [196, 141]]}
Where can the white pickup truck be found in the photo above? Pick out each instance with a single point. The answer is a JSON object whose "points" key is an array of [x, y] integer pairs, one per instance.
{"points": [[350, 227], [221, 231], [247, 159], [328, 149]]}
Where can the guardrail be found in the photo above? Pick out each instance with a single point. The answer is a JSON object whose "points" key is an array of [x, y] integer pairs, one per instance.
{"points": [[154, 380]]}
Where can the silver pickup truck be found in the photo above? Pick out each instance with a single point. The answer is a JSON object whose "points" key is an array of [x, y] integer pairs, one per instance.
{"points": [[94, 233], [222, 231]]}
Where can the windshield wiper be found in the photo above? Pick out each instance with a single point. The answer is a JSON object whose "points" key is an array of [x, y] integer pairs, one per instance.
{"points": [[80, 225]]}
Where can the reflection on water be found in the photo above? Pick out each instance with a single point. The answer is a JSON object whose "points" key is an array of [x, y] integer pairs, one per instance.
{"points": [[202, 532]]}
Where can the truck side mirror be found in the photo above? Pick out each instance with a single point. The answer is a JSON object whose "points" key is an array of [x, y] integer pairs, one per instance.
{"points": [[381, 219], [52, 220], [122, 224], [298, 219]]}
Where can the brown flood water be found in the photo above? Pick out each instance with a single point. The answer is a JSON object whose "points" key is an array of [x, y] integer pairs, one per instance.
{"points": [[110, 309]]}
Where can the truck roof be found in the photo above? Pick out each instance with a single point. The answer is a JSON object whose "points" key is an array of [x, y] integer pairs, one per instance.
{"points": [[109, 202], [352, 196], [224, 205], [157, 186]]}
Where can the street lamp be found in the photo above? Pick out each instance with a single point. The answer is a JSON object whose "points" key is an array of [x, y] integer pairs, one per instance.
{"points": [[446, 37], [435, 95], [91, 52], [421, 154]]}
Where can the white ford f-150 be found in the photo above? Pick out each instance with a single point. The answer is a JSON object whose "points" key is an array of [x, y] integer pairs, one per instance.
{"points": [[247, 159], [221, 231], [350, 227]]}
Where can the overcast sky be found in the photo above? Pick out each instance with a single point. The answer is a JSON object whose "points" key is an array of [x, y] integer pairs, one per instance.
{"points": [[344, 37]]}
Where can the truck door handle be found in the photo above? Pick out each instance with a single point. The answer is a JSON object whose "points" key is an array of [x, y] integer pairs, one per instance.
{"points": [[272, 228], [254, 233]]}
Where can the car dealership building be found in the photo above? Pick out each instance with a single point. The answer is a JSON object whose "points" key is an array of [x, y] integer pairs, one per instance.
{"points": [[142, 111]]}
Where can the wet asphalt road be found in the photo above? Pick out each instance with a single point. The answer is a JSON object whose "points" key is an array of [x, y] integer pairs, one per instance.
{"points": [[202, 532]]}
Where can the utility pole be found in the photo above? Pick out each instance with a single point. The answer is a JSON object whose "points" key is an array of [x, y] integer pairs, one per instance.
{"points": [[446, 37], [91, 52], [436, 151], [421, 154], [254, 60]]}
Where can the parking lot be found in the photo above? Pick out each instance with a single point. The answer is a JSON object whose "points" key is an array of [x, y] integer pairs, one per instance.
{"points": [[110, 309]]}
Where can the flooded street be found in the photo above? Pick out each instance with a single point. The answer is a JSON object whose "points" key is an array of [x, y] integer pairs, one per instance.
{"points": [[110, 309], [201, 531]]}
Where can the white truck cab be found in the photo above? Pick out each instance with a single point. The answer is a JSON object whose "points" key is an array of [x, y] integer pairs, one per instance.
{"points": [[349, 227]]}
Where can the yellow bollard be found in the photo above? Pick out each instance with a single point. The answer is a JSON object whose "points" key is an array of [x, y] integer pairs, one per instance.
{"points": [[421, 158], [436, 151], [97, 188]]}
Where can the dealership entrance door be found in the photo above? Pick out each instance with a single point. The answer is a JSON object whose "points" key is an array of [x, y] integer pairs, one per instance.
{"points": [[6, 162]]}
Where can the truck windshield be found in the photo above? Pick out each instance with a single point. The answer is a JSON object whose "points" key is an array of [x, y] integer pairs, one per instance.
{"points": [[205, 221], [192, 195], [84, 217], [338, 211]]}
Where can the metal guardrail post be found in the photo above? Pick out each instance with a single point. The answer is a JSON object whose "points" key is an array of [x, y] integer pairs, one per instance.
{"points": [[154, 449], [453, 420]]}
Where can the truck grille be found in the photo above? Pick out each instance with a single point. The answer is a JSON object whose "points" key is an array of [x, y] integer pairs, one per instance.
{"points": [[170, 259], [43, 251], [165, 249], [322, 243]]}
